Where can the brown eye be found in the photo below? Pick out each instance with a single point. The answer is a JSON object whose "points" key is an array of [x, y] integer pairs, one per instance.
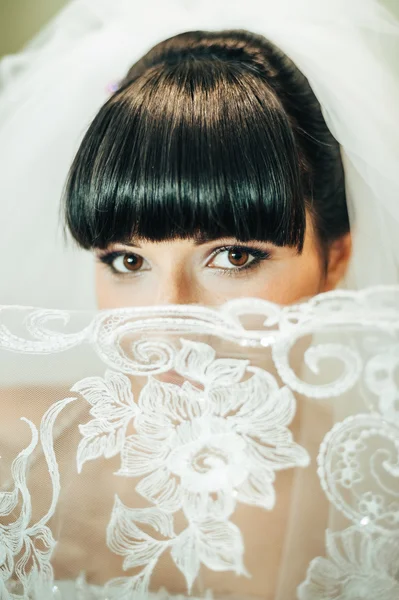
{"points": [[238, 257], [132, 262], [233, 258], [127, 263]]}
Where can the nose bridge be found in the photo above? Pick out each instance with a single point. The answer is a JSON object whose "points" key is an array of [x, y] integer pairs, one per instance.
{"points": [[175, 288]]}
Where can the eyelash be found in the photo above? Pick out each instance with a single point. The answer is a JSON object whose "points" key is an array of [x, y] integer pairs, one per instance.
{"points": [[258, 254]]}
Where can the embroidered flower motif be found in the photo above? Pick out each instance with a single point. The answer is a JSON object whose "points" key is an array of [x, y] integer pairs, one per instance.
{"points": [[371, 505], [228, 438], [359, 566], [216, 544], [199, 447], [113, 408], [221, 435]]}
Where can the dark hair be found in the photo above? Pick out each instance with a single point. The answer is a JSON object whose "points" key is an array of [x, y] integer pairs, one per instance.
{"points": [[210, 134]]}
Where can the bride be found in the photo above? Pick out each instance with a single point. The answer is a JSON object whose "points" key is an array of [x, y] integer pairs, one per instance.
{"points": [[239, 163], [210, 174], [336, 128]]}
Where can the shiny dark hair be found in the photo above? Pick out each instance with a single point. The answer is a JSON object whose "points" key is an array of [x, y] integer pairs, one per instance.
{"points": [[210, 134]]}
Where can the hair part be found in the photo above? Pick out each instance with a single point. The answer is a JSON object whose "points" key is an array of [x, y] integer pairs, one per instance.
{"points": [[210, 134]]}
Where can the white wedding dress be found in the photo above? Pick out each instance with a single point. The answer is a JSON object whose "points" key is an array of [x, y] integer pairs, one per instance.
{"points": [[247, 451]]}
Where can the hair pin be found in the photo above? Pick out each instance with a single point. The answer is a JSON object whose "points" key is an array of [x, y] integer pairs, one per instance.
{"points": [[112, 87]]}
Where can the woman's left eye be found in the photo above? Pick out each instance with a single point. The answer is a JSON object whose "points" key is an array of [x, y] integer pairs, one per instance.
{"points": [[237, 258]]}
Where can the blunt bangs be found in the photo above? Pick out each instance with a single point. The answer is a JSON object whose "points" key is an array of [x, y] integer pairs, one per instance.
{"points": [[197, 148]]}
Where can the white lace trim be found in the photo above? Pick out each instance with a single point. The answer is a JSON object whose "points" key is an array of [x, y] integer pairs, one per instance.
{"points": [[218, 440]]}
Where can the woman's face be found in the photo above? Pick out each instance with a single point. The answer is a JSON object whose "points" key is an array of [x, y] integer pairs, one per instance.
{"points": [[185, 272]]}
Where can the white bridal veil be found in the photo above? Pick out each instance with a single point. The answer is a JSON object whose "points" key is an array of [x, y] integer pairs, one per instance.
{"points": [[245, 451], [248, 452]]}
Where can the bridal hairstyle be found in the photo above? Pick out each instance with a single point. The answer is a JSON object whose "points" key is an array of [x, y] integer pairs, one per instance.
{"points": [[210, 134]]}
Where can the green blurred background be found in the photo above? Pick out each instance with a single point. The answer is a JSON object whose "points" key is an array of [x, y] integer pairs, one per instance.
{"points": [[21, 19]]}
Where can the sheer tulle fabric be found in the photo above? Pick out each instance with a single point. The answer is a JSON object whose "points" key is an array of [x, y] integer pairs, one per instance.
{"points": [[245, 451]]}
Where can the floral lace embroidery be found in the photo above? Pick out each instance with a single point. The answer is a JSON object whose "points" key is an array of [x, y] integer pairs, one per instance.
{"points": [[218, 439], [26, 548], [359, 566], [201, 449]]}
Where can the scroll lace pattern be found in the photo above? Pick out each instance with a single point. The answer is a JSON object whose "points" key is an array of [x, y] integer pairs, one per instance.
{"points": [[218, 439], [26, 548], [359, 472]]}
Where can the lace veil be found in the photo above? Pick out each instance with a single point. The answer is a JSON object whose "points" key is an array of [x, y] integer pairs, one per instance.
{"points": [[248, 451], [241, 451]]}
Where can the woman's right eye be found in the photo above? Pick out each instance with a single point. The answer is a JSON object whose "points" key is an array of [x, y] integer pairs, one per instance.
{"points": [[122, 262]]}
